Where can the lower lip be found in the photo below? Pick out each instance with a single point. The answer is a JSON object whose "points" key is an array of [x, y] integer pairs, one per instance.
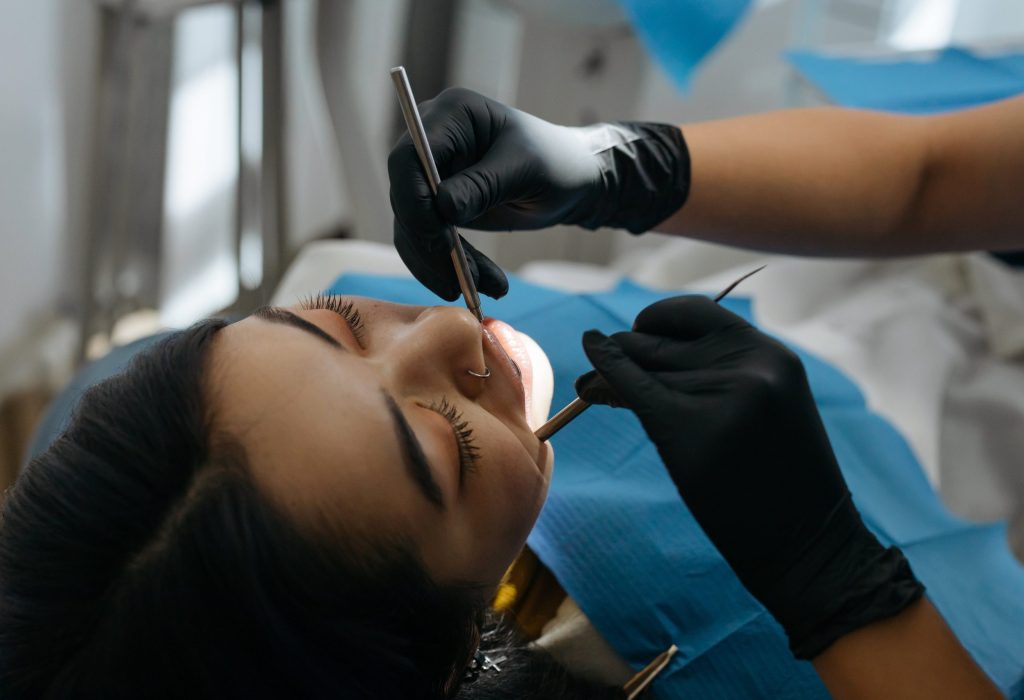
{"points": [[509, 341]]}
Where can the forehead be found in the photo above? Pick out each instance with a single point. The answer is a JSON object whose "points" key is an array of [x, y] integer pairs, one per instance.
{"points": [[313, 422]]}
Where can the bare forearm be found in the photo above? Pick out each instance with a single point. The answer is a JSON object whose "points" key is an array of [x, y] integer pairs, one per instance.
{"points": [[836, 182], [910, 656]]}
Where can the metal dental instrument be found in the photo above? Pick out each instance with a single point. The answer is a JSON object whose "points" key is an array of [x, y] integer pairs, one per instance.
{"points": [[638, 683], [577, 406], [419, 140], [561, 419]]}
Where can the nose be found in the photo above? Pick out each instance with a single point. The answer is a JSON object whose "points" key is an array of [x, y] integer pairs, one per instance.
{"points": [[437, 351]]}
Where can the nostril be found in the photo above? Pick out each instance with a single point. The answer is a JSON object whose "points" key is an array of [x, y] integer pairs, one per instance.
{"points": [[455, 340]]}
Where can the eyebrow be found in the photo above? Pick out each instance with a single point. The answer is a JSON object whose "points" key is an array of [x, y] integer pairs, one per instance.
{"points": [[413, 456], [274, 314], [412, 451]]}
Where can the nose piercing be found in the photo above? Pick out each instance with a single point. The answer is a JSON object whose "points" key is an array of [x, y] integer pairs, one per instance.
{"points": [[485, 375]]}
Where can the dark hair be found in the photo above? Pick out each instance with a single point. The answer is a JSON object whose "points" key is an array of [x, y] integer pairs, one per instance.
{"points": [[528, 672], [138, 558]]}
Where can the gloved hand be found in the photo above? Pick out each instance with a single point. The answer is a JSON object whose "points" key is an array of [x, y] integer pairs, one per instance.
{"points": [[734, 421], [504, 169]]}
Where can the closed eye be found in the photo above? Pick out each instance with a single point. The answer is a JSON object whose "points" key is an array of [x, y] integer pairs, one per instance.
{"points": [[468, 450], [341, 306]]}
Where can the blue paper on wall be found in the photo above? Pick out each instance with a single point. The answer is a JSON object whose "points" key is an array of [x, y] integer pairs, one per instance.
{"points": [[680, 33], [622, 543], [914, 84]]}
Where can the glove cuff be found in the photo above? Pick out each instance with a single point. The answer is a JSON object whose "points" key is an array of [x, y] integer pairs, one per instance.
{"points": [[846, 581], [645, 172], [887, 587]]}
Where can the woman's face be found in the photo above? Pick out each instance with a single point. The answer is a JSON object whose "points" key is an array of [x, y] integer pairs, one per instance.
{"points": [[364, 414]]}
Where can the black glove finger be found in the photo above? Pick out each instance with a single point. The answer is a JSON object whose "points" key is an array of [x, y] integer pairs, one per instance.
{"points": [[489, 278], [657, 353], [414, 203], [501, 176], [686, 317], [478, 173], [434, 270], [592, 388], [635, 388], [460, 125]]}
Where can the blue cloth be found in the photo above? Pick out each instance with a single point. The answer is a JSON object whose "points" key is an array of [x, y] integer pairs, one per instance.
{"points": [[946, 80], [680, 33], [622, 543]]}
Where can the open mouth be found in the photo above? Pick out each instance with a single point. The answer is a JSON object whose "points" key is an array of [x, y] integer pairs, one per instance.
{"points": [[519, 359], [530, 365]]}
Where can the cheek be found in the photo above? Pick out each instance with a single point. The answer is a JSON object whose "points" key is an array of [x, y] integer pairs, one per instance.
{"points": [[507, 490]]}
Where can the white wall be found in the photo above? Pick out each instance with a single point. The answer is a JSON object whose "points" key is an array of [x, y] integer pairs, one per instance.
{"points": [[198, 256], [199, 192], [350, 92], [926, 24], [47, 50], [31, 186]]}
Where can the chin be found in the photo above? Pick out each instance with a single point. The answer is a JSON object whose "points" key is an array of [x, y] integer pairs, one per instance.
{"points": [[542, 384]]}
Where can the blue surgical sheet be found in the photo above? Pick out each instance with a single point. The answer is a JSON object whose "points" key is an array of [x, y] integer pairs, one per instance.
{"points": [[622, 543], [915, 84]]}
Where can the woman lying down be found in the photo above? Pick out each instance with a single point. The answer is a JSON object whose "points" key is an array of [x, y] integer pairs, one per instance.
{"points": [[321, 501]]}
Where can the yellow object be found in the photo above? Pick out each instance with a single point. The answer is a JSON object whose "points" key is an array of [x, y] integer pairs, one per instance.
{"points": [[530, 593]]}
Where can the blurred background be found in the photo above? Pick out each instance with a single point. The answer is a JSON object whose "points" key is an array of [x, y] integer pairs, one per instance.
{"points": [[163, 160]]}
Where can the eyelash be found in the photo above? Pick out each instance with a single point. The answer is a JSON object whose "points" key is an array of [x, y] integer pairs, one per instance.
{"points": [[344, 308], [468, 450]]}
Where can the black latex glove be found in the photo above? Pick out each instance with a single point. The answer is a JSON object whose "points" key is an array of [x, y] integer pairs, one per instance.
{"points": [[503, 169], [733, 418]]}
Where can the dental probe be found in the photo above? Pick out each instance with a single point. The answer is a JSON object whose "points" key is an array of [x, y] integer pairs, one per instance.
{"points": [[577, 406], [419, 140]]}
